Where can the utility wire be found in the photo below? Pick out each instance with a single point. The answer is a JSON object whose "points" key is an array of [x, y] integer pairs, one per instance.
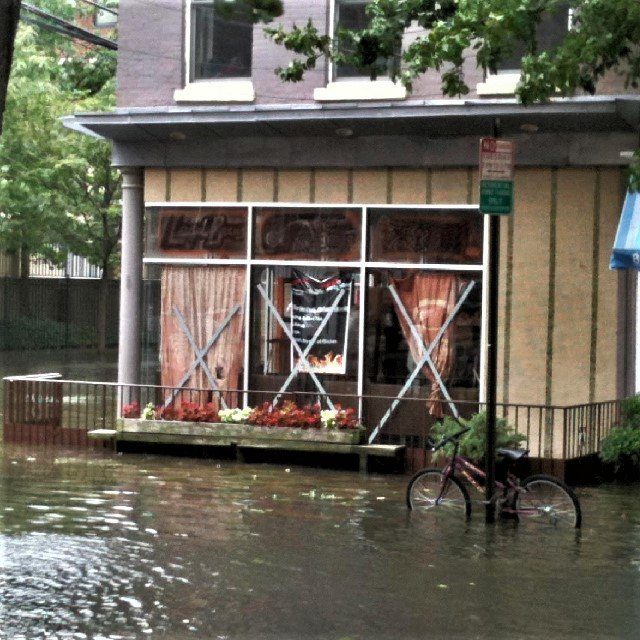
{"points": [[63, 31], [50, 22]]}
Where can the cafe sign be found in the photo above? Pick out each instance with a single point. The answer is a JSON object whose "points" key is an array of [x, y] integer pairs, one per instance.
{"points": [[320, 323]]}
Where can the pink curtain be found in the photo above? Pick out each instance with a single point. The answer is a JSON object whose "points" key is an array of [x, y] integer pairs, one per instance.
{"points": [[429, 299], [204, 296]]}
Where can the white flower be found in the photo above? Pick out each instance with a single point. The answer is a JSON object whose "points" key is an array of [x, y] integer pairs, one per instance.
{"points": [[328, 418], [234, 415], [149, 412]]}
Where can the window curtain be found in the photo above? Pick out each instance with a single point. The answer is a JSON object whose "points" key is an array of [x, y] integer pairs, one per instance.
{"points": [[429, 299], [204, 296]]}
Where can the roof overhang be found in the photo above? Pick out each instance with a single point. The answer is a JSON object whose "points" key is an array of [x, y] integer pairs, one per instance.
{"points": [[426, 118], [564, 132]]}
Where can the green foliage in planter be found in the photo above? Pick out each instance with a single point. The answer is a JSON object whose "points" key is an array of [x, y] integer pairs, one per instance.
{"points": [[622, 446], [622, 443], [631, 412], [473, 443]]}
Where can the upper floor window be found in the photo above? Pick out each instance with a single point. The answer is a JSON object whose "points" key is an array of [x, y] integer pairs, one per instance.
{"points": [[351, 15], [353, 83], [221, 40], [551, 32]]}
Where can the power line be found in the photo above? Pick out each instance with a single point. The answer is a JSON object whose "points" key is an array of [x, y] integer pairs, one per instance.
{"points": [[49, 22]]}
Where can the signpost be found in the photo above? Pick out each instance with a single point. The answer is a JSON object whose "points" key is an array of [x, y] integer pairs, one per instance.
{"points": [[496, 176], [496, 199]]}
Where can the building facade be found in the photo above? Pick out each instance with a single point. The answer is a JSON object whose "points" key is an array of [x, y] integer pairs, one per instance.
{"points": [[251, 188]]}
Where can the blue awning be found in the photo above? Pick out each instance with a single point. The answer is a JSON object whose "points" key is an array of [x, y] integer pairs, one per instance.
{"points": [[626, 248]]}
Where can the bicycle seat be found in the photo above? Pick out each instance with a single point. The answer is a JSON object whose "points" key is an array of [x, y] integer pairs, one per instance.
{"points": [[512, 454]]}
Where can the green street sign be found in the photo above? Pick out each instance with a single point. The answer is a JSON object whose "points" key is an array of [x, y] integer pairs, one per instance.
{"points": [[496, 197], [496, 176]]}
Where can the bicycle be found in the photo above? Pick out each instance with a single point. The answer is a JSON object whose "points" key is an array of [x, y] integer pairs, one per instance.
{"points": [[539, 498]]}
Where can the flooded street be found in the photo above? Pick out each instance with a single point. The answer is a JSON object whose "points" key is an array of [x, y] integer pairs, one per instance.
{"points": [[126, 546]]}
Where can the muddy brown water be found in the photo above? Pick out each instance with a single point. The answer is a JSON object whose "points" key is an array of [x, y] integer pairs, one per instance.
{"points": [[111, 546]]}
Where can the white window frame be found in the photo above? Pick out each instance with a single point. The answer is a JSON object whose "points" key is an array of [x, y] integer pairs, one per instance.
{"points": [[339, 89], [363, 265], [209, 90]]}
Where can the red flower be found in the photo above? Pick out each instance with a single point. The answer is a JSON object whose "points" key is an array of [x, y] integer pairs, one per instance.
{"points": [[288, 415], [131, 410], [165, 413]]}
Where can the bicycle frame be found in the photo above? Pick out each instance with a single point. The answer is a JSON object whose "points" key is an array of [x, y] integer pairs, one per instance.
{"points": [[477, 477]]}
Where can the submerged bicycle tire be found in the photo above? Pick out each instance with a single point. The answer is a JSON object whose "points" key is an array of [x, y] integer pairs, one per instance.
{"points": [[547, 500], [429, 489]]}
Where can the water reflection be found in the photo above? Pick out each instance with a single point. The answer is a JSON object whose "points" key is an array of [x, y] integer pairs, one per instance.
{"points": [[101, 546]]}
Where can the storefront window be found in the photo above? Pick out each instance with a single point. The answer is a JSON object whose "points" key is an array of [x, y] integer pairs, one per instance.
{"points": [[307, 234], [333, 356], [421, 236], [202, 329], [429, 299], [196, 232], [305, 265]]}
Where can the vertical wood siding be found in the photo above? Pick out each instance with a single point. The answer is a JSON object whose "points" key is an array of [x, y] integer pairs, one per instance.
{"points": [[558, 307]]}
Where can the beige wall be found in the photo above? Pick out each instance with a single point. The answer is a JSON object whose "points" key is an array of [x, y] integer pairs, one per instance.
{"points": [[559, 301]]}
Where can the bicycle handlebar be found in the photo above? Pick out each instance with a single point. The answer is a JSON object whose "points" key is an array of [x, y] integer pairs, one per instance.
{"points": [[448, 439]]}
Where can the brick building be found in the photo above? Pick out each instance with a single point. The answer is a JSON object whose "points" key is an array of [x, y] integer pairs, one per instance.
{"points": [[244, 181]]}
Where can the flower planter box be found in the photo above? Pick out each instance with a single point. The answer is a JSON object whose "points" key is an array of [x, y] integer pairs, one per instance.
{"points": [[229, 433]]}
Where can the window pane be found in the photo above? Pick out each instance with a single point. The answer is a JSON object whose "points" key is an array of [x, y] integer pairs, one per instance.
{"points": [[307, 234], [388, 353], [425, 236], [551, 32], [222, 40], [196, 232], [350, 16], [353, 16], [271, 354]]}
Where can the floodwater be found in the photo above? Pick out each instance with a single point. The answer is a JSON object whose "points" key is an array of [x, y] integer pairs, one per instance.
{"points": [[102, 546]]}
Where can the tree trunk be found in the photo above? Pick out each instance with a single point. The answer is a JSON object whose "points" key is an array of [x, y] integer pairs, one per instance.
{"points": [[9, 17], [25, 262], [25, 307], [14, 264]]}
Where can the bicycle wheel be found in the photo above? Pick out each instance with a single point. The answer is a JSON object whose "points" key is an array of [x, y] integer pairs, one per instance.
{"points": [[547, 500], [429, 489]]}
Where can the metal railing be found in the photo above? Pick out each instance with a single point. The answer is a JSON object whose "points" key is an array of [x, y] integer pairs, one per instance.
{"points": [[45, 408], [584, 426]]}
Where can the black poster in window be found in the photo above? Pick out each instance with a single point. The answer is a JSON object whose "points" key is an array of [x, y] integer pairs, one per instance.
{"points": [[312, 300]]}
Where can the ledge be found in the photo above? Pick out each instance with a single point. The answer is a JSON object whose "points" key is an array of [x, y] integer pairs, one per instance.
{"points": [[500, 84], [224, 90], [228, 433], [360, 90]]}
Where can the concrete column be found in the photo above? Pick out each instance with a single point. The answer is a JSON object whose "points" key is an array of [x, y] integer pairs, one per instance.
{"points": [[129, 352]]}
